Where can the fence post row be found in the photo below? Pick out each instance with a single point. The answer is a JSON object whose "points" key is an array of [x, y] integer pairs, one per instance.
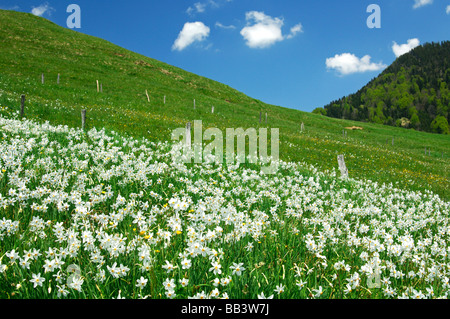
{"points": [[342, 166]]}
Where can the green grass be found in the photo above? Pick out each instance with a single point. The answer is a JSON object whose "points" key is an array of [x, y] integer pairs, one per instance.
{"points": [[95, 199], [32, 46]]}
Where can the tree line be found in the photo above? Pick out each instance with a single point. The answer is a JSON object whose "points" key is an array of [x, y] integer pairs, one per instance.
{"points": [[414, 92]]}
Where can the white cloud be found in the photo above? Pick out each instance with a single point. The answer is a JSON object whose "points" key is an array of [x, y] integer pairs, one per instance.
{"points": [[294, 30], [421, 3], [347, 63], [405, 48], [200, 7], [263, 31], [220, 25], [191, 32], [448, 9], [13, 8], [42, 9]]}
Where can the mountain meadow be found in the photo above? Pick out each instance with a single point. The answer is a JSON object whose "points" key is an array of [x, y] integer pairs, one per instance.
{"points": [[104, 212]]}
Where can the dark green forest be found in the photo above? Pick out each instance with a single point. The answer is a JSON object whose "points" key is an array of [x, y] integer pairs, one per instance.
{"points": [[414, 92]]}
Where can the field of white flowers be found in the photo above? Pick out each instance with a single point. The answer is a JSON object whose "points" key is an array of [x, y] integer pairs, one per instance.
{"points": [[98, 215]]}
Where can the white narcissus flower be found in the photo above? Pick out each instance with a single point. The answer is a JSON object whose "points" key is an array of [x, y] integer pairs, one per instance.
{"points": [[279, 289], [169, 284], [37, 280], [170, 293], [301, 284], [77, 282], [186, 263], [215, 293], [184, 282], [216, 268], [237, 269], [262, 296], [168, 266], [141, 282], [318, 292], [12, 255]]}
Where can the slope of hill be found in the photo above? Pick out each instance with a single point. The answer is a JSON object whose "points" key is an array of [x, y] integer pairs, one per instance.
{"points": [[413, 92], [32, 46], [102, 220]]}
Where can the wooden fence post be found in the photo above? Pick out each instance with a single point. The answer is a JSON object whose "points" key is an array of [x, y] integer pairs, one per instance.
{"points": [[194, 104], [212, 110], [302, 127], [22, 105], [83, 119], [342, 166], [98, 87], [57, 80], [43, 78], [260, 117], [266, 118], [164, 99]]}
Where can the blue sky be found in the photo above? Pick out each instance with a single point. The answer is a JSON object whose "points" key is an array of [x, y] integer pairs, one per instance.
{"points": [[292, 53]]}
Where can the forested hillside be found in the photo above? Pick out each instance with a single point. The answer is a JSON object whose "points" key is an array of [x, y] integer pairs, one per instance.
{"points": [[413, 93]]}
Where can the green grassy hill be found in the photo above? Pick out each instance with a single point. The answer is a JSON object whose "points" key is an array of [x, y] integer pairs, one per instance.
{"points": [[32, 46]]}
